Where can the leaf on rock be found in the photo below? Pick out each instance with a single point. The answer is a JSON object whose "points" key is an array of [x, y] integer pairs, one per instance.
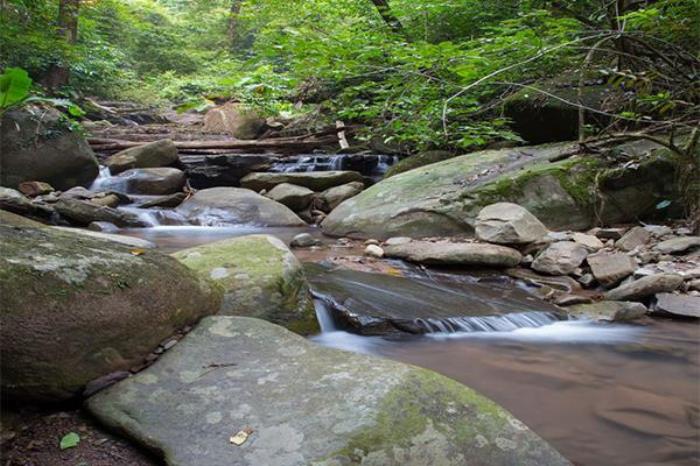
{"points": [[241, 437], [137, 251]]}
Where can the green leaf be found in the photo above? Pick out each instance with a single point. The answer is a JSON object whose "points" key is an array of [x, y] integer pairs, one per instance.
{"points": [[14, 86], [70, 440]]}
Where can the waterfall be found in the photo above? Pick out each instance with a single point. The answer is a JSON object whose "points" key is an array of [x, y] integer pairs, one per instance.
{"points": [[324, 316], [503, 323]]}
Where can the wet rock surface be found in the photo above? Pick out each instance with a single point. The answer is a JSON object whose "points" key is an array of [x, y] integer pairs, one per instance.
{"points": [[232, 374], [445, 252], [316, 181]]}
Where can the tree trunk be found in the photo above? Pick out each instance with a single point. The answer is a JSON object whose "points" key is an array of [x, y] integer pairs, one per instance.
{"points": [[388, 16], [233, 22], [68, 11]]}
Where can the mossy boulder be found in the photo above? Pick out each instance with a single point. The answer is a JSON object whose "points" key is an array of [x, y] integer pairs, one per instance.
{"points": [[418, 160], [260, 278], [443, 199], [75, 308], [37, 144], [307, 405]]}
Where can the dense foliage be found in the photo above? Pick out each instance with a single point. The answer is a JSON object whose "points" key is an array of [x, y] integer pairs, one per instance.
{"points": [[420, 73]]}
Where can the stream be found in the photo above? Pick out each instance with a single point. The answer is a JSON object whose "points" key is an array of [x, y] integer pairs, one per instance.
{"points": [[602, 394]]}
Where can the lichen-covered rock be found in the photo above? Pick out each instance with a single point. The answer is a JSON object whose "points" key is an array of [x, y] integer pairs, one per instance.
{"points": [[443, 199], [507, 223], [75, 308], [260, 277], [316, 181], [226, 206], [161, 153], [37, 144], [305, 405]]}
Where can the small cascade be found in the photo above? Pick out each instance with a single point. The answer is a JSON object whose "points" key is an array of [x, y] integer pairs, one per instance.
{"points": [[104, 181], [324, 316], [368, 164], [502, 323], [383, 164]]}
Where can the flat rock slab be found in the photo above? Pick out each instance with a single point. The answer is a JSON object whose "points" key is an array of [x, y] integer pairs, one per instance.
{"points": [[610, 269], [645, 287], [306, 405], [454, 253], [678, 245], [316, 181], [560, 258], [615, 311], [678, 305], [373, 303]]}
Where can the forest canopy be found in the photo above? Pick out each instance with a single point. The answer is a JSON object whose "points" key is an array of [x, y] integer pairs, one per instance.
{"points": [[420, 73]]}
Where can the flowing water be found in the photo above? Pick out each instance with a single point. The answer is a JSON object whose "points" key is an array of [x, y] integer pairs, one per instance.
{"points": [[602, 394]]}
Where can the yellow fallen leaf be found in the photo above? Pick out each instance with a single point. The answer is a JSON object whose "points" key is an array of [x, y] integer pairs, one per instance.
{"points": [[137, 251], [394, 272], [241, 437]]}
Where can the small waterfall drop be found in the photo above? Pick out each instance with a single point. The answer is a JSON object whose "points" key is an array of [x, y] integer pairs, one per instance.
{"points": [[324, 316], [502, 323]]}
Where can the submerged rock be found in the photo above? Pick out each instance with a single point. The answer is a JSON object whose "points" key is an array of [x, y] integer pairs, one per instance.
{"points": [[75, 308], [161, 153], [316, 181], [376, 304], [235, 206], [453, 253], [260, 277], [507, 223], [305, 404], [37, 144], [443, 199]]}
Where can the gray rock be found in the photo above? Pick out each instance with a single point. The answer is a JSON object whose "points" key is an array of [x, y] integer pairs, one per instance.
{"points": [[610, 233], [454, 253], [587, 279], [235, 206], [15, 220], [104, 227], [295, 197], [36, 144], [316, 181], [333, 197], [677, 305], [75, 308], [634, 238], [658, 231], [156, 181], [171, 200], [35, 188], [678, 245], [561, 258], [591, 242], [615, 311], [161, 153], [121, 239], [233, 119], [306, 404], [373, 250], [260, 277], [14, 201], [109, 200], [611, 269], [644, 287], [304, 240], [507, 223], [84, 212]]}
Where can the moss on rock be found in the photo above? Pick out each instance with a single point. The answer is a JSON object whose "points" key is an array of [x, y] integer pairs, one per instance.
{"points": [[260, 277]]}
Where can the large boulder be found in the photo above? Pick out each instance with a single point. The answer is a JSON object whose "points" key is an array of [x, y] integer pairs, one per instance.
{"points": [[161, 153], [452, 253], [291, 402], [234, 206], [161, 180], [295, 197], [507, 223], [260, 278], [645, 287], [231, 118], [316, 181], [443, 199], [38, 144], [75, 308]]}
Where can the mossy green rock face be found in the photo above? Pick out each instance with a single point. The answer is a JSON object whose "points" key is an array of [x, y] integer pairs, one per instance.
{"points": [[75, 308], [443, 199], [260, 277], [307, 405], [36, 144]]}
